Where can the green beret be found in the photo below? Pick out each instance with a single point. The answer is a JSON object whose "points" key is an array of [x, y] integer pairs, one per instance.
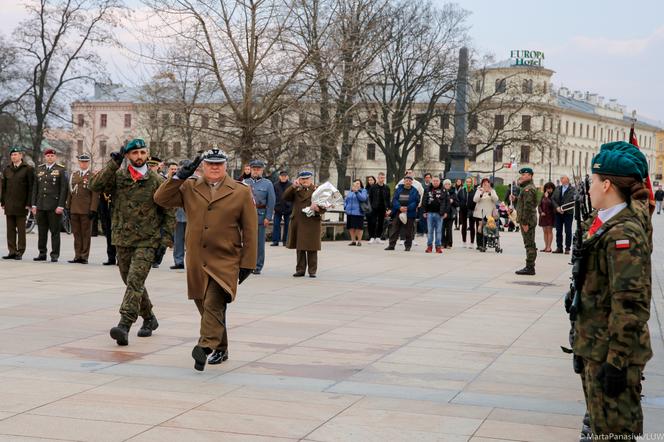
{"points": [[526, 170], [134, 144], [15, 149], [620, 159]]}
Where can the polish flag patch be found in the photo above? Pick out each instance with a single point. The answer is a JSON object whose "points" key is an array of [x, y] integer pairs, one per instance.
{"points": [[622, 244]]}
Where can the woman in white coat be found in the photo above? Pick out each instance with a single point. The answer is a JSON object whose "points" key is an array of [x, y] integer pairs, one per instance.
{"points": [[485, 204]]}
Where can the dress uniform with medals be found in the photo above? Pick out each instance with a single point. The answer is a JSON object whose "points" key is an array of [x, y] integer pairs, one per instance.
{"points": [[17, 182], [137, 225], [611, 327], [526, 212], [82, 204], [49, 196], [264, 198], [221, 244]]}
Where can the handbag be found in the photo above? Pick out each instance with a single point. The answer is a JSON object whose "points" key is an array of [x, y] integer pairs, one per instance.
{"points": [[365, 206]]}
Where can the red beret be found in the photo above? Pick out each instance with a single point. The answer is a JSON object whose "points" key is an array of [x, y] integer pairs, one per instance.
{"points": [[49, 150]]}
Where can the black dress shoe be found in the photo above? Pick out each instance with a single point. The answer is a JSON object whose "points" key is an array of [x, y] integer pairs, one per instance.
{"points": [[389, 248], [217, 357], [74, 261], [121, 334], [274, 244], [406, 249], [40, 258], [558, 251], [110, 262], [54, 259], [177, 267], [18, 257], [256, 272], [149, 325], [10, 256], [200, 357], [313, 275], [155, 266], [82, 261], [527, 270], [298, 275]]}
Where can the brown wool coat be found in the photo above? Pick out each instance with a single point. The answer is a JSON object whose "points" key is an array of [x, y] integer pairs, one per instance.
{"points": [[303, 232], [81, 200], [222, 232]]}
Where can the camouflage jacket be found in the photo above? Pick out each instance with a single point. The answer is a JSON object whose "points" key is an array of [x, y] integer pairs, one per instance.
{"points": [[136, 220], [612, 325], [526, 205]]}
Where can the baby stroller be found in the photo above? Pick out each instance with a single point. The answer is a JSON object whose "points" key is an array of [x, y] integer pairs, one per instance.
{"points": [[490, 235], [503, 217]]}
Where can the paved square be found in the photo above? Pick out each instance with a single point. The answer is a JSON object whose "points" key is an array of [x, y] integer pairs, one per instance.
{"points": [[382, 346]]}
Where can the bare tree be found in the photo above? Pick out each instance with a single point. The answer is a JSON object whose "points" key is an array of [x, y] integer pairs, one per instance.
{"points": [[55, 42], [13, 84], [415, 73]]}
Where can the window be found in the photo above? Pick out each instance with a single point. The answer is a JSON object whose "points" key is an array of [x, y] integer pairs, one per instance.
{"points": [[501, 85], [371, 151], [204, 145], [498, 122], [525, 154], [527, 87], [419, 152], [79, 147], [601, 133], [551, 125], [472, 152], [177, 119], [443, 149], [580, 129], [302, 119], [153, 118], [574, 129], [566, 152], [525, 122], [373, 122], [594, 132], [103, 120], [478, 85], [127, 121], [166, 119], [445, 121], [221, 120], [566, 127], [102, 148], [587, 130], [472, 122], [585, 163], [544, 87], [558, 156], [559, 125], [177, 148], [205, 121], [573, 157], [81, 120], [498, 154]]}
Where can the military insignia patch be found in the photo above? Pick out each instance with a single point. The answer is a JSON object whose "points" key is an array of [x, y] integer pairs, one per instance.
{"points": [[622, 244]]}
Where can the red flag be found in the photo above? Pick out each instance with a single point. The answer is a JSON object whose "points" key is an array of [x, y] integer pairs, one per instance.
{"points": [[634, 141]]}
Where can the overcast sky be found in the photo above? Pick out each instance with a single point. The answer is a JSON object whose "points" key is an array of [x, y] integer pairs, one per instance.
{"points": [[611, 47]]}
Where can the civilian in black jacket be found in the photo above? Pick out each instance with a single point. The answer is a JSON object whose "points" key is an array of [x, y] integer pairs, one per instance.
{"points": [[466, 207], [282, 209], [436, 208], [563, 196], [379, 197], [659, 197], [448, 221]]}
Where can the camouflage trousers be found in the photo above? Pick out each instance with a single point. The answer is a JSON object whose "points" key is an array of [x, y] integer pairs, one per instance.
{"points": [[619, 418], [531, 247], [135, 264]]}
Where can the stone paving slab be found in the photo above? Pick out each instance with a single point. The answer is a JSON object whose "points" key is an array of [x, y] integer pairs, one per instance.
{"points": [[380, 347]]}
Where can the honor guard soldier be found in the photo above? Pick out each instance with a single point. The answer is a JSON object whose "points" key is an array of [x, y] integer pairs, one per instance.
{"points": [[82, 204], [220, 242], [263, 192], [304, 231], [137, 227], [17, 182], [49, 196], [526, 211], [105, 208], [611, 328]]}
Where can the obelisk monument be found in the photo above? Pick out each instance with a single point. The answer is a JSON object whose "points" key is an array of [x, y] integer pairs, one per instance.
{"points": [[459, 151]]}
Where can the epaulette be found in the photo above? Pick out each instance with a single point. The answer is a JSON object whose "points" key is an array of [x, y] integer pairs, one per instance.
{"points": [[43, 164], [193, 177], [58, 164]]}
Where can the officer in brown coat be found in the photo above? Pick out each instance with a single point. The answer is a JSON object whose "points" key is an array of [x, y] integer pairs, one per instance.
{"points": [[221, 242], [17, 181], [82, 204], [304, 231]]}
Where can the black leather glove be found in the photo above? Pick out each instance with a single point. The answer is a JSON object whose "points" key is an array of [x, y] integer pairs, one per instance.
{"points": [[188, 170], [92, 215], [613, 380], [244, 274], [117, 157], [568, 301]]}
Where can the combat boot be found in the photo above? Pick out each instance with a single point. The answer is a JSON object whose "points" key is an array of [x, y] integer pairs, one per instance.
{"points": [[149, 325], [527, 270], [121, 334], [586, 432]]}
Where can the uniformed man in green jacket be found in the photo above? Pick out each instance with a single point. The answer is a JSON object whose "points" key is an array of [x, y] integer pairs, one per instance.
{"points": [[137, 223], [15, 199], [526, 212]]}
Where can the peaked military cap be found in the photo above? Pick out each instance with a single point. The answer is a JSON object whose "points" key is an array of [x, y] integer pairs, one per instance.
{"points": [[215, 155], [15, 149], [153, 161], [305, 174], [84, 157], [526, 170], [283, 172], [620, 159], [134, 144], [257, 163]]}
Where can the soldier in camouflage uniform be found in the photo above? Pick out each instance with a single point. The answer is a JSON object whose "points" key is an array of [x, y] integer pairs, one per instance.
{"points": [[611, 328], [137, 224], [526, 211]]}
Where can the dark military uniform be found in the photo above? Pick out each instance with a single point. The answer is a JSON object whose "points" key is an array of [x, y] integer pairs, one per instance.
{"points": [[137, 223], [16, 198], [526, 211], [104, 211], [82, 204], [49, 192]]}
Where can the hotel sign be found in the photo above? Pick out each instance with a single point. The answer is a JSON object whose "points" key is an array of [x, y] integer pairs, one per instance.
{"points": [[521, 57]]}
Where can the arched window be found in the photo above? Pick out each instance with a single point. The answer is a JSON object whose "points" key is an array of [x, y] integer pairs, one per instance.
{"points": [[501, 85], [527, 87]]}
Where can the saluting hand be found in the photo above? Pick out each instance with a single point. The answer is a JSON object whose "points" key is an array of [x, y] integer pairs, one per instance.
{"points": [[117, 157], [188, 170]]}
